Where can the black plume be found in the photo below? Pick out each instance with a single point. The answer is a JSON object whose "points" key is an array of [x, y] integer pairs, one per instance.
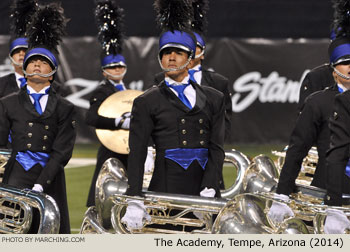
{"points": [[21, 12], [200, 9], [341, 23], [47, 27], [174, 14], [109, 18]]}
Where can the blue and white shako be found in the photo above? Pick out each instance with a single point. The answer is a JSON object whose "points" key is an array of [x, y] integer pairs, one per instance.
{"points": [[178, 39], [17, 44], [200, 43], [45, 53], [339, 52], [112, 60]]}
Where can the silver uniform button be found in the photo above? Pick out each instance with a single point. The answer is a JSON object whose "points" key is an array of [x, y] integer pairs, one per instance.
{"points": [[30, 124], [201, 120], [44, 147], [48, 182], [30, 134], [46, 127], [29, 145], [45, 137], [201, 132], [183, 121], [184, 142], [184, 131], [201, 142]]}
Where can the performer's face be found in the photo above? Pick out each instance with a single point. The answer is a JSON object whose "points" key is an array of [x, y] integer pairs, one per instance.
{"points": [[116, 71], [343, 68], [38, 65], [18, 55], [174, 58]]}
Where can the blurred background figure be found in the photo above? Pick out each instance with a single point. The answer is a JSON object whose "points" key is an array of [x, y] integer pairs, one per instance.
{"points": [[110, 21]]}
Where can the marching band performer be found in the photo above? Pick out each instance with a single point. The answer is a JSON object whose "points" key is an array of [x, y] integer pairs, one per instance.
{"points": [[42, 123], [312, 129], [109, 17], [203, 76], [199, 74], [184, 119], [338, 156], [21, 12]]}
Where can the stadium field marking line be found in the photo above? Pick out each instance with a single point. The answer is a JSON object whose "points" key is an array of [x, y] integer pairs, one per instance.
{"points": [[79, 162]]}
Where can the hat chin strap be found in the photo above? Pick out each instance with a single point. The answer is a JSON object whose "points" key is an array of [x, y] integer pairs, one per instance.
{"points": [[39, 74], [14, 62], [117, 76], [177, 68], [340, 74], [199, 55]]}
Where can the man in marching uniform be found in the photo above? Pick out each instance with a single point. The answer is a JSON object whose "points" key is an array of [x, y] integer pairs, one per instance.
{"points": [[113, 69], [41, 122], [184, 119], [312, 128], [201, 75]]}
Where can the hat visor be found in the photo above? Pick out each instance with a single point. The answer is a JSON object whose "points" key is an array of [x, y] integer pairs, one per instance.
{"points": [[120, 63], [341, 60], [176, 46]]}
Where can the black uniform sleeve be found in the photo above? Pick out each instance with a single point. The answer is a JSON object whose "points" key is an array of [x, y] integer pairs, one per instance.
{"points": [[141, 126], [338, 154], [92, 117], [302, 139], [4, 126], [216, 156], [62, 147]]}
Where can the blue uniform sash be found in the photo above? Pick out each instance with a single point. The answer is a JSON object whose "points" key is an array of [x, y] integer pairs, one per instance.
{"points": [[28, 159], [184, 157]]}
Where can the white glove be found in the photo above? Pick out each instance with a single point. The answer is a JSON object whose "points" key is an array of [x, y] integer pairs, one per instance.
{"points": [[336, 222], [278, 211], [135, 215], [207, 192], [204, 193], [126, 123], [149, 164], [38, 188]]}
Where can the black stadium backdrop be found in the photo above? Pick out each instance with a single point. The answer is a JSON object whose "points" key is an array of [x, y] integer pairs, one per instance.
{"points": [[263, 47]]}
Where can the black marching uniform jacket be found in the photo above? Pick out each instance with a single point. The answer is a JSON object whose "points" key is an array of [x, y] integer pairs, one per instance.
{"points": [[317, 79], [160, 114], [101, 93], [311, 129], [53, 132], [8, 85], [339, 152], [218, 82]]}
